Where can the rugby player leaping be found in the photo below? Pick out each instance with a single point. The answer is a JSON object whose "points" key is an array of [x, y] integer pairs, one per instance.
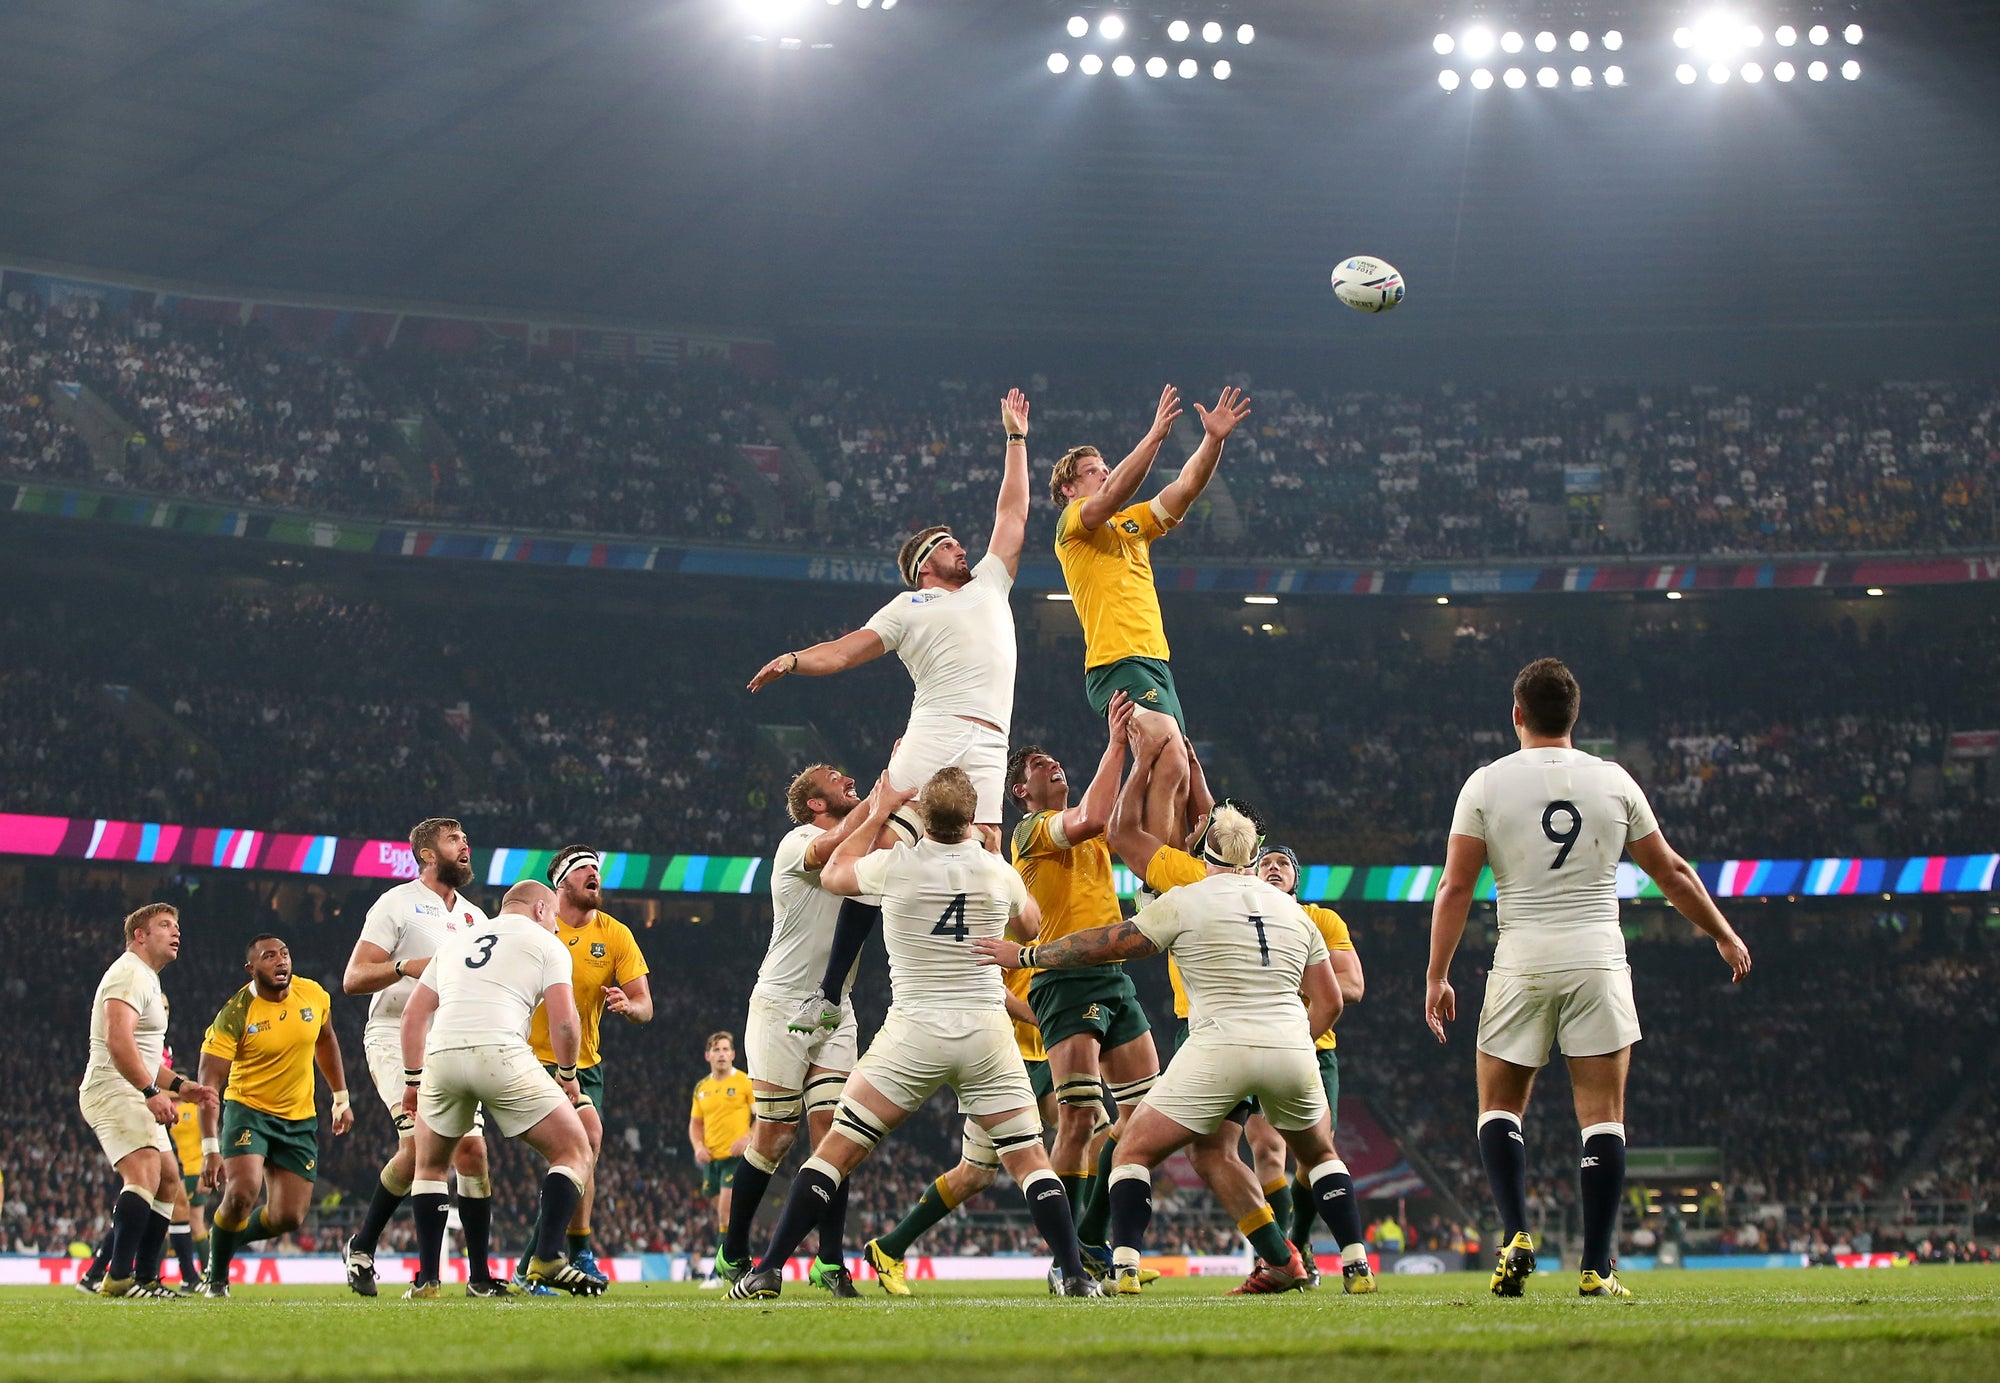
{"points": [[955, 634]]}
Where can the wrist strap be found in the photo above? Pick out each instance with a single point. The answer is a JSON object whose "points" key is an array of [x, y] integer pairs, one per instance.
{"points": [[150, 1090], [1027, 958], [178, 1081], [399, 969], [211, 1146], [413, 1076], [565, 1073], [795, 664], [1017, 436]]}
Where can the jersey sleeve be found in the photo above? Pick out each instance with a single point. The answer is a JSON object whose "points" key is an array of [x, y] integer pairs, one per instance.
{"points": [[1035, 836], [1069, 525], [629, 962], [1468, 818], [993, 567], [889, 623], [1144, 518], [383, 927], [226, 1032], [872, 873], [1316, 950], [557, 967], [1159, 921], [1332, 927], [694, 1109], [791, 856], [1170, 868], [129, 988], [1639, 820], [1013, 886]]}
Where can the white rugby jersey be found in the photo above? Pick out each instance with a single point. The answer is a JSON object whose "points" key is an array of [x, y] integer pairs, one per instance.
{"points": [[935, 899], [409, 921], [130, 981], [1242, 947], [958, 646], [488, 979], [1555, 822], [802, 922]]}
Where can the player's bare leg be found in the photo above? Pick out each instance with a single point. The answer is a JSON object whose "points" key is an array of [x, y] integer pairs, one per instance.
{"points": [[1504, 1089], [1158, 742], [1075, 1071], [1326, 1178], [1599, 1086], [1267, 1160]]}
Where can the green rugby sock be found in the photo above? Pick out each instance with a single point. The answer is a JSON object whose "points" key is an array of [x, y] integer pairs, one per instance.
{"points": [[1266, 1239], [1305, 1216], [1097, 1210], [579, 1242], [1280, 1198], [931, 1207], [222, 1242]]}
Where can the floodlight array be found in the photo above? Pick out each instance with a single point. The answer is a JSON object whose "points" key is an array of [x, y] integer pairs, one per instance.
{"points": [[1175, 46], [1484, 55], [1714, 48]]}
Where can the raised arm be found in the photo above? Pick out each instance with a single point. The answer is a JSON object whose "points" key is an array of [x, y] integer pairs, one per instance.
{"points": [[1689, 895], [1129, 474], [1464, 856], [1088, 818], [821, 847], [837, 875], [1200, 801], [1010, 511], [1098, 946], [1126, 831], [822, 659], [1179, 497]]}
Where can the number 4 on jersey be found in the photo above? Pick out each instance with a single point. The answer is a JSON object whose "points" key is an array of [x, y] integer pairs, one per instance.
{"points": [[952, 922]]}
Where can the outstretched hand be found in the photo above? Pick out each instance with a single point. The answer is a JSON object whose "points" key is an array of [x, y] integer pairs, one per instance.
{"points": [[779, 666], [1164, 415], [1014, 411], [1440, 1006], [1232, 408]]}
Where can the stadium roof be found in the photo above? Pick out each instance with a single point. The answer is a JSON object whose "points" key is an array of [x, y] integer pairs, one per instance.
{"points": [[644, 159]]}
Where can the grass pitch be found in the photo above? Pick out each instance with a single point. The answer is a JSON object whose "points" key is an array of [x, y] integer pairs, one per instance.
{"points": [[1909, 1324]]}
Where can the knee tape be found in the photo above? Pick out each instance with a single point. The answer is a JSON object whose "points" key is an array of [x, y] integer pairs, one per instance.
{"points": [[759, 1161], [572, 1173], [429, 1188], [394, 1182], [1331, 1167], [823, 1092], [1133, 1091], [1079, 1092], [1100, 1119], [777, 1106], [1130, 1171], [853, 1122], [475, 1188], [405, 1122], [976, 1147], [1016, 1132]]}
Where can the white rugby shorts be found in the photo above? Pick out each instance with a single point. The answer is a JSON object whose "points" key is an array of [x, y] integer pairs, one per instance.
{"points": [[384, 1049], [1585, 1012], [507, 1080], [1210, 1076], [778, 1056], [932, 742], [971, 1050], [117, 1114]]}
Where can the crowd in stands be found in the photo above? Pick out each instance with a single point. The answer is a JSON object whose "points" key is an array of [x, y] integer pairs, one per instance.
{"points": [[228, 410]]}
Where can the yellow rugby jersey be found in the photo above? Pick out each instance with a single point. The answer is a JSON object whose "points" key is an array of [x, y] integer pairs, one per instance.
{"points": [[723, 1106], [269, 1046], [187, 1139], [1109, 571], [1027, 1036], [1072, 885], [602, 951]]}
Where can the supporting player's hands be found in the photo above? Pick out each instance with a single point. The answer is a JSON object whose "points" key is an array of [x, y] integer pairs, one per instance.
{"points": [[996, 950], [1735, 955], [1440, 1006], [778, 667], [163, 1107], [1164, 415], [887, 797], [1118, 718], [211, 1171], [410, 1100], [1014, 411], [1230, 409]]}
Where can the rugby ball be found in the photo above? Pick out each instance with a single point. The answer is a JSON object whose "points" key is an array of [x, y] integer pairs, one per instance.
{"points": [[1367, 284]]}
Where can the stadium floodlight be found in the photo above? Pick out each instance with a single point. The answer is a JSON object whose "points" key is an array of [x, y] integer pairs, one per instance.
{"points": [[1545, 42], [1510, 42], [1579, 41], [1448, 79], [1852, 33], [1613, 41], [1673, 595], [888, 4], [1684, 37], [1123, 65], [1189, 67], [1685, 74], [1752, 72], [1246, 33], [1156, 66], [1090, 65], [1581, 76], [1059, 595], [1614, 76], [1786, 35], [1222, 70], [1784, 72], [1875, 590], [1477, 42], [1178, 31], [1442, 45], [1211, 32], [1718, 73], [1753, 37], [1817, 35], [1058, 63], [1547, 78], [1444, 600], [863, 4], [1515, 78], [1112, 26], [1817, 71], [1850, 70], [1481, 78], [1260, 600], [1078, 26]]}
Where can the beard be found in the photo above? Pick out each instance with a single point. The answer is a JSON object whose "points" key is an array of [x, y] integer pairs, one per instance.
{"points": [[839, 807], [453, 874]]}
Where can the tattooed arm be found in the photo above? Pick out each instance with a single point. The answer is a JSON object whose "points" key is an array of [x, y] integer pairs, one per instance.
{"points": [[1098, 946]]}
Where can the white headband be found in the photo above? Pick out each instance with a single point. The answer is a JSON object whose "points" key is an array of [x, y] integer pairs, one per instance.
{"points": [[923, 555], [575, 862]]}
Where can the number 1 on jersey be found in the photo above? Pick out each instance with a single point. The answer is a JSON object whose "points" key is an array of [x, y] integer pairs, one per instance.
{"points": [[952, 922], [1263, 942]]}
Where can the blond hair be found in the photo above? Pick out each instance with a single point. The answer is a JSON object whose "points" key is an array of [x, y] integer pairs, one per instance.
{"points": [[803, 790], [949, 802], [1065, 471], [140, 918], [1232, 838]]}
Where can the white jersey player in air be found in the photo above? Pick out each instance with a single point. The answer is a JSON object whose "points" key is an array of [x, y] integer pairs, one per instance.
{"points": [[954, 631], [947, 1022], [464, 1044], [798, 1068], [1552, 821], [1260, 989], [402, 932]]}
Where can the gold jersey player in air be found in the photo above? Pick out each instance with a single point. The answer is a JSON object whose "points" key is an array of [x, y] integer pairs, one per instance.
{"points": [[263, 1046], [609, 975], [1105, 544]]}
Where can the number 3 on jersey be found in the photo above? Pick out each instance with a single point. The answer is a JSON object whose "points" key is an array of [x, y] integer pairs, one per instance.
{"points": [[486, 945], [951, 922], [1566, 839]]}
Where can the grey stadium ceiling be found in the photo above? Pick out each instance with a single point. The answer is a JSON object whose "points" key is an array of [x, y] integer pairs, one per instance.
{"points": [[643, 160]]}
